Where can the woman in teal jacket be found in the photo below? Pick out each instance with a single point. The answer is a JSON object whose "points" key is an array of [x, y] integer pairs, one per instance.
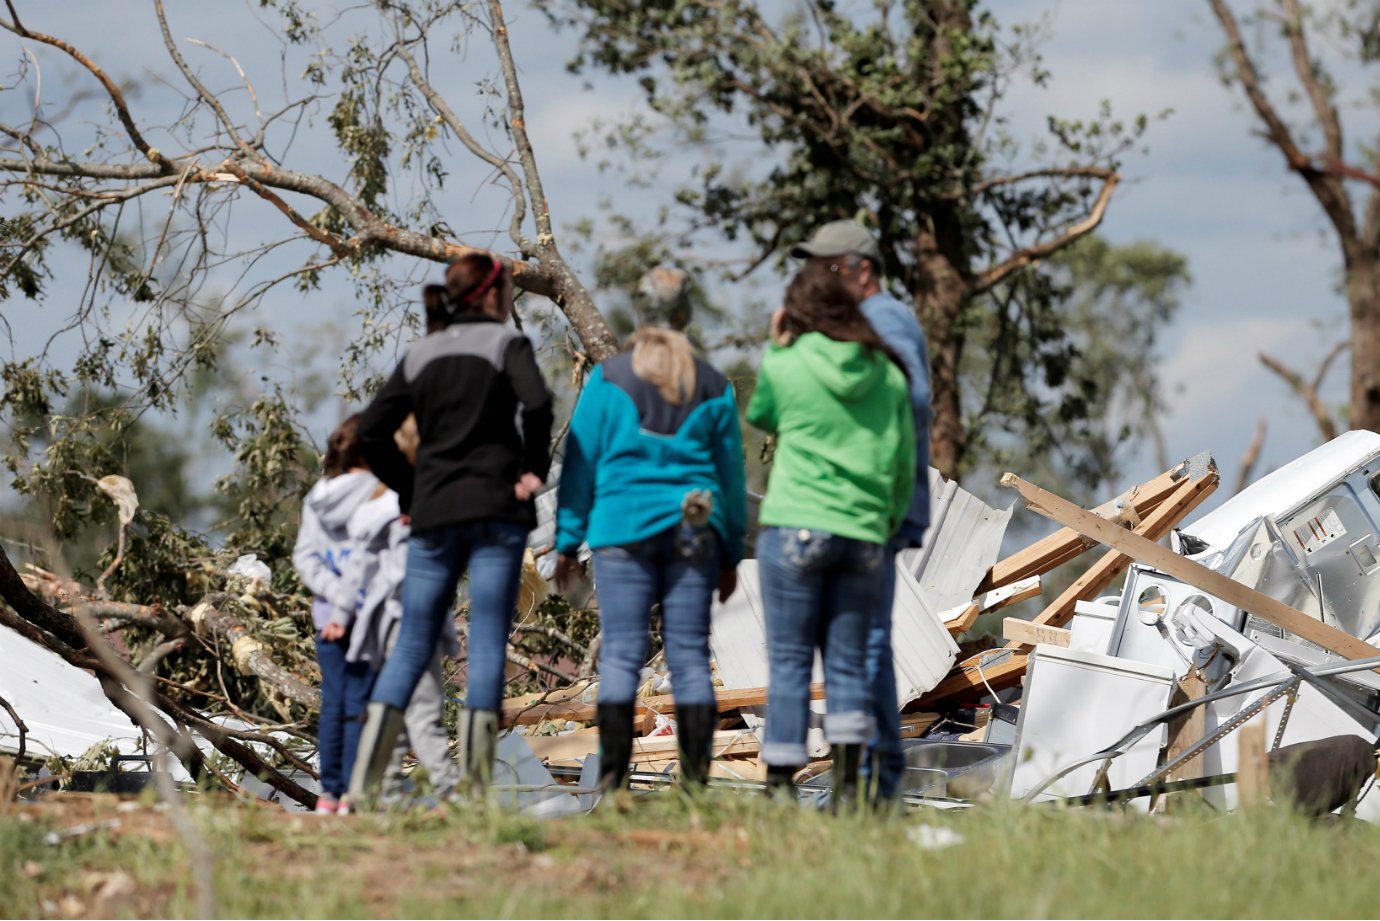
{"points": [[841, 481], [653, 480]]}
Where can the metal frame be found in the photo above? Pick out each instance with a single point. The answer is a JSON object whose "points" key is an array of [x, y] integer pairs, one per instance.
{"points": [[1278, 686]]}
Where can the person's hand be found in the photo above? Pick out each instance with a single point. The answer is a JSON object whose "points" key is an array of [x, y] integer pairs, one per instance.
{"points": [[527, 486], [405, 520], [728, 584], [567, 569], [779, 333], [332, 632]]}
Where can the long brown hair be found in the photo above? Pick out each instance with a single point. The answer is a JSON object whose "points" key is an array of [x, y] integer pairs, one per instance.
{"points": [[469, 278], [434, 309], [819, 301], [342, 449]]}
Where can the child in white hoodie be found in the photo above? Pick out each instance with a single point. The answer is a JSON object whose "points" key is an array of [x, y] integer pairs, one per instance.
{"points": [[377, 564], [323, 546]]}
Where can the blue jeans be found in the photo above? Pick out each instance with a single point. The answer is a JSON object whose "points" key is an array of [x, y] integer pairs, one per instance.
{"points": [[819, 590], [492, 550], [681, 574], [344, 694], [885, 746]]}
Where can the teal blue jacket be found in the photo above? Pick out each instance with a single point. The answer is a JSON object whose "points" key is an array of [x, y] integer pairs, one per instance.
{"points": [[631, 456]]}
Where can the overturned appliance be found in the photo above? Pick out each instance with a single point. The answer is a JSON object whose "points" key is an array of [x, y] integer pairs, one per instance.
{"points": [[1190, 658]]}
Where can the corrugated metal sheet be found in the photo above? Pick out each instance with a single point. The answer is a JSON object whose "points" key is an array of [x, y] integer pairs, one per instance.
{"points": [[63, 707]]}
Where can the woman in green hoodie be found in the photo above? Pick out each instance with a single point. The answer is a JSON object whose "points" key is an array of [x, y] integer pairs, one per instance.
{"points": [[840, 484]]}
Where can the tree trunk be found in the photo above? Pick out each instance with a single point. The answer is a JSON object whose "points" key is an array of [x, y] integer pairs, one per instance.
{"points": [[939, 289], [1363, 291]]}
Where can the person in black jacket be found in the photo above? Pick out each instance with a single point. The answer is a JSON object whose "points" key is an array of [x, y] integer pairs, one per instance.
{"points": [[470, 503]]}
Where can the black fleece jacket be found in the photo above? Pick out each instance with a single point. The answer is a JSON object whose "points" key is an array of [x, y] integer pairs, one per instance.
{"points": [[465, 384]]}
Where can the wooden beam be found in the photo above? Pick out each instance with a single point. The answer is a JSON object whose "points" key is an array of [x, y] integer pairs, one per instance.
{"points": [[913, 725], [1027, 633], [960, 619], [576, 745], [518, 713], [1186, 497], [1166, 561], [1067, 544], [1186, 730], [964, 621], [966, 682], [1252, 766]]}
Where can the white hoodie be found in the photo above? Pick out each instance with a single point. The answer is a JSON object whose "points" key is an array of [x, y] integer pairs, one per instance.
{"points": [[375, 568], [323, 544]]}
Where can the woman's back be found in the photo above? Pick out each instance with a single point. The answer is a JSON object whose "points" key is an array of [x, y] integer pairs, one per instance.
{"points": [[844, 460], [633, 454]]}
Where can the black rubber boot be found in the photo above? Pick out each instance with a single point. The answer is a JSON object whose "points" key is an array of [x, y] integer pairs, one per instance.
{"points": [[695, 725], [843, 797], [382, 726], [615, 745], [477, 732], [781, 781]]}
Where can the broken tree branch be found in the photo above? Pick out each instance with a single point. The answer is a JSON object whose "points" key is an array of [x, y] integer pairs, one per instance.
{"points": [[1308, 390], [1308, 74], [19, 725], [1032, 254], [1251, 457], [251, 657]]}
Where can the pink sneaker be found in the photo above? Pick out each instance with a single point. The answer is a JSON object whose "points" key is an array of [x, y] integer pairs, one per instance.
{"points": [[327, 805], [343, 807]]}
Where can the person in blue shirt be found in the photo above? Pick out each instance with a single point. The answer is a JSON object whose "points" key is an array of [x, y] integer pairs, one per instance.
{"points": [[654, 481], [849, 249]]}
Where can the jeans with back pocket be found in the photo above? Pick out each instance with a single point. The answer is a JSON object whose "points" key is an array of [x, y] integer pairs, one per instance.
{"points": [[820, 592], [492, 552], [677, 569]]}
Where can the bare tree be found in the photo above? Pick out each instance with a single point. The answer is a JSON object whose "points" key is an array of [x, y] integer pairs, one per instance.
{"points": [[1317, 152]]}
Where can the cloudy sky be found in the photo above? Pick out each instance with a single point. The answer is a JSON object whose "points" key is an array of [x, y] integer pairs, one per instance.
{"points": [[1265, 274]]}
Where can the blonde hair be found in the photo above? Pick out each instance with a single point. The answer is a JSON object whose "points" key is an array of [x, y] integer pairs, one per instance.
{"points": [[664, 358]]}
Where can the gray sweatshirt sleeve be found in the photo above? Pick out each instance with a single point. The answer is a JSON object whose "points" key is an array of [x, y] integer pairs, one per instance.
{"points": [[308, 556]]}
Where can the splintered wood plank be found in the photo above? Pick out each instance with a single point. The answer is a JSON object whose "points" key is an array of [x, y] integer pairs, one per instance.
{"points": [[963, 622], [1027, 633], [1166, 561], [519, 713], [994, 600], [1252, 766], [1186, 730], [1067, 544], [965, 682], [1185, 498], [580, 744]]}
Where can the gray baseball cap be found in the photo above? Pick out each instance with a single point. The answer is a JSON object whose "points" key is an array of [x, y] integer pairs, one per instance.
{"points": [[839, 238]]}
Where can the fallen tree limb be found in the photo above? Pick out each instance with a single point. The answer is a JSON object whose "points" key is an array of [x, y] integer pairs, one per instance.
{"points": [[210, 619], [19, 599]]}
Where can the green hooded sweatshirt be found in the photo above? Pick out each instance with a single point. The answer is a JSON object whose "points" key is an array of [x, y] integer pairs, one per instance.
{"points": [[845, 450]]}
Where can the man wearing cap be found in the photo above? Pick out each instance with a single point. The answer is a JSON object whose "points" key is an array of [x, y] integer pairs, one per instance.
{"points": [[850, 249]]}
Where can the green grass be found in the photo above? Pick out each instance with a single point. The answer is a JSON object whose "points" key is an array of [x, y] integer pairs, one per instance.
{"points": [[731, 857]]}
